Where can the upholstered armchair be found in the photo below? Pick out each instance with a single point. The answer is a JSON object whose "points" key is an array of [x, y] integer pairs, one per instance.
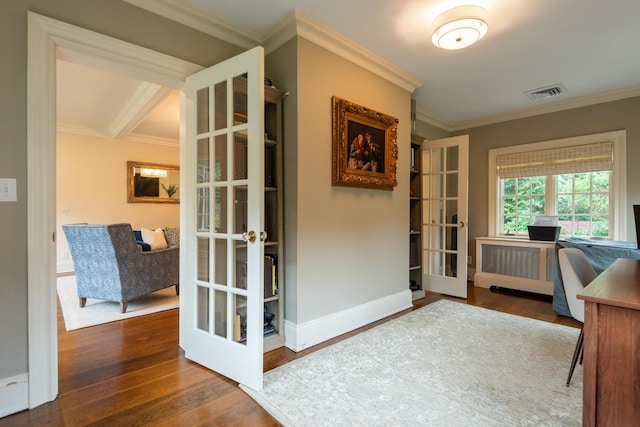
{"points": [[109, 265]]}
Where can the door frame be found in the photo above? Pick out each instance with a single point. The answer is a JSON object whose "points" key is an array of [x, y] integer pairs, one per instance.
{"points": [[49, 40]]}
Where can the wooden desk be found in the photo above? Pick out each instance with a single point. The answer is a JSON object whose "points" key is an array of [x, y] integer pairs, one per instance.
{"points": [[612, 346]]}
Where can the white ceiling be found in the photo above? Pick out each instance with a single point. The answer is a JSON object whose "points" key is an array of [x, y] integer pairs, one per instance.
{"points": [[591, 47], [103, 104]]}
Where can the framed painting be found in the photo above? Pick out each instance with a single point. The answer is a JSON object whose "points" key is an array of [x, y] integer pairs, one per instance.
{"points": [[365, 147]]}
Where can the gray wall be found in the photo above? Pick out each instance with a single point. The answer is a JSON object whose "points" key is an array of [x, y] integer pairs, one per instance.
{"points": [[344, 247], [605, 117], [281, 66], [322, 216], [429, 131], [111, 17], [307, 119], [352, 243]]}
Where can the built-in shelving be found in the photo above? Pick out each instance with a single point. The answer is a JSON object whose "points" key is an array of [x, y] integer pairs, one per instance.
{"points": [[274, 226], [415, 219]]}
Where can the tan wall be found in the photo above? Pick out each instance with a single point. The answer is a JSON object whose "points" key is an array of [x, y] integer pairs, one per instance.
{"points": [[353, 243], [92, 187], [114, 18]]}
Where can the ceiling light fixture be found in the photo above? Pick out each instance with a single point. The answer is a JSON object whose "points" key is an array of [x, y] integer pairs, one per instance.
{"points": [[460, 27]]}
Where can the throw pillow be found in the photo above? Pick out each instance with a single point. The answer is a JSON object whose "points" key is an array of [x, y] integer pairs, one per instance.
{"points": [[155, 238], [172, 234]]}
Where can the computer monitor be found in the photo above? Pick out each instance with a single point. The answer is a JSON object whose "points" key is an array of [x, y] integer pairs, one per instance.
{"points": [[636, 215]]}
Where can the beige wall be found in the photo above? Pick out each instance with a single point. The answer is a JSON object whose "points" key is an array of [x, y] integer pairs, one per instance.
{"points": [[92, 187], [111, 17], [352, 244]]}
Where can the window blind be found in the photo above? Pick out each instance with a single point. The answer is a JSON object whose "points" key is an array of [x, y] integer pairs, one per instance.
{"points": [[555, 161]]}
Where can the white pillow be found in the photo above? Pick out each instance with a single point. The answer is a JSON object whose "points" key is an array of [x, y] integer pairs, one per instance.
{"points": [[154, 238]]}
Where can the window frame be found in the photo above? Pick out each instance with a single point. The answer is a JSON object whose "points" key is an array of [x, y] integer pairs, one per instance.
{"points": [[617, 189]]}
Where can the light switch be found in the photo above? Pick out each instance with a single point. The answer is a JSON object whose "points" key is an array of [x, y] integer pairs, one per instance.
{"points": [[8, 191]]}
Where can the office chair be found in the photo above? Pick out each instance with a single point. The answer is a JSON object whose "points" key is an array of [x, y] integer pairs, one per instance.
{"points": [[577, 273]]}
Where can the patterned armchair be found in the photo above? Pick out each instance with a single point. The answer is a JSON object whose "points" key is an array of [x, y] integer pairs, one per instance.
{"points": [[109, 265]]}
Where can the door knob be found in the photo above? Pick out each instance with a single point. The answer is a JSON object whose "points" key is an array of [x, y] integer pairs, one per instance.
{"points": [[461, 224], [249, 237], [263, 236]]}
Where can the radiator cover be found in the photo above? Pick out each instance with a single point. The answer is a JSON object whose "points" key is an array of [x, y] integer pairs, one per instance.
{"points": [[516, 264]]}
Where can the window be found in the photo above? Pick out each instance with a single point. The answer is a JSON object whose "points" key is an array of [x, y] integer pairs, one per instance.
{"points": [[522, 200], [581, 180], [583, 204]]}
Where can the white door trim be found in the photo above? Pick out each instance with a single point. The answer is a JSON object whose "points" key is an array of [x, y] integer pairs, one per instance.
{"points": [[49, 39]]}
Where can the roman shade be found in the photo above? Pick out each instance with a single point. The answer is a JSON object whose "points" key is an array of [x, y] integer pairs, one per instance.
{"points": [[555, 161]]}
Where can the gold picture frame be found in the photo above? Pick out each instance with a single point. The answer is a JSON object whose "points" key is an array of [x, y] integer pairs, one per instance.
{"points": [[365, 147], [152, 183]]}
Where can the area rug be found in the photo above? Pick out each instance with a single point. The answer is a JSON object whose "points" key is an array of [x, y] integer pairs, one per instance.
{"points": [[96, 311], [446, 364]]}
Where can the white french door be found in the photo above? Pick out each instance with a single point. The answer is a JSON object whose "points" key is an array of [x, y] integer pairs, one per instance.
{"points": [[221, 270], [445, 164]]}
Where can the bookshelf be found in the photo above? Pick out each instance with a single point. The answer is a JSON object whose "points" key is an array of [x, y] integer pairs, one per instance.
{"points": [[415, 218], [274, 226], [273, 307]]}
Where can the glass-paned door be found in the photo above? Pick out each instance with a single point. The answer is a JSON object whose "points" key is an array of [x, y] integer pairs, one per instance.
{"points": [[221, 317], [444, 215]]}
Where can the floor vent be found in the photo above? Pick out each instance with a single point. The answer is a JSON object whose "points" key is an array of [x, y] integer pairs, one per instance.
{"points": [[546, 92]]}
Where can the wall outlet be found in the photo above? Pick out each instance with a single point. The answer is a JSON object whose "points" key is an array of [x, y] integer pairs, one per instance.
{"points": [[8, 190], [469, 260]]}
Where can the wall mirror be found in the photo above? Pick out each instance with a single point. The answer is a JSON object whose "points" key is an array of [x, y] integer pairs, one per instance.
{"points": [[152, 183]]}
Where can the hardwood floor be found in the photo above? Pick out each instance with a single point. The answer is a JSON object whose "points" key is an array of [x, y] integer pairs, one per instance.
{"points": [[132, 372]]}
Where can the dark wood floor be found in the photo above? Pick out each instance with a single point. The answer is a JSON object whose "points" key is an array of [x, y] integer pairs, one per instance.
{"points": [[132, 372]]}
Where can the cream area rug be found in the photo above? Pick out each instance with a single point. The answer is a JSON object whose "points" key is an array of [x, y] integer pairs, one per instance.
{"points": [[446, 364], [97, 311]]}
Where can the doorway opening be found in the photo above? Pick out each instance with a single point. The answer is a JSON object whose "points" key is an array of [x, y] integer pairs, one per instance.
{"points": [[50, 40]]}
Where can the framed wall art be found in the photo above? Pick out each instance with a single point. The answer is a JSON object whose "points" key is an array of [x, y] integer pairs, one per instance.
{"points": [[365, 147]]}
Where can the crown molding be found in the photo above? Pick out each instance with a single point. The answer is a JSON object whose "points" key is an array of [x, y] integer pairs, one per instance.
{"points": [[583, 101], [427, 116], [144, 139], [180, 11], [296, 23], [81, 130], [132, 137]]}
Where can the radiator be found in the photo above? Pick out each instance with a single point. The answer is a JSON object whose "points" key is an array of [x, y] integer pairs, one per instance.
{"points": [[516, 264]]}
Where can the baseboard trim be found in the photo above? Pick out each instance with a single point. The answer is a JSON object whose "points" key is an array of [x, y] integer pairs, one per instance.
{"points": [[14, 394], [301, 336]]}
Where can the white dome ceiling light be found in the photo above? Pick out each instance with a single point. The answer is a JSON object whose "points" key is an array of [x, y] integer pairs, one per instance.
{"points": [[460, 27]]}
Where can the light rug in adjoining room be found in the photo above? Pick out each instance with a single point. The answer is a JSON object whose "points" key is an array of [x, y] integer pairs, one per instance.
{"points": [[97, 311], [446, 364]]}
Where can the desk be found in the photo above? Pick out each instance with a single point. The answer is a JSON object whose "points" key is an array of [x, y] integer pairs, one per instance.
{"points": [[612, 346]]}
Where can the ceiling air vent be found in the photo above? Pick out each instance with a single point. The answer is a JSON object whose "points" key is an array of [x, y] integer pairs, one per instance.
{"points": [[546, 92]]}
